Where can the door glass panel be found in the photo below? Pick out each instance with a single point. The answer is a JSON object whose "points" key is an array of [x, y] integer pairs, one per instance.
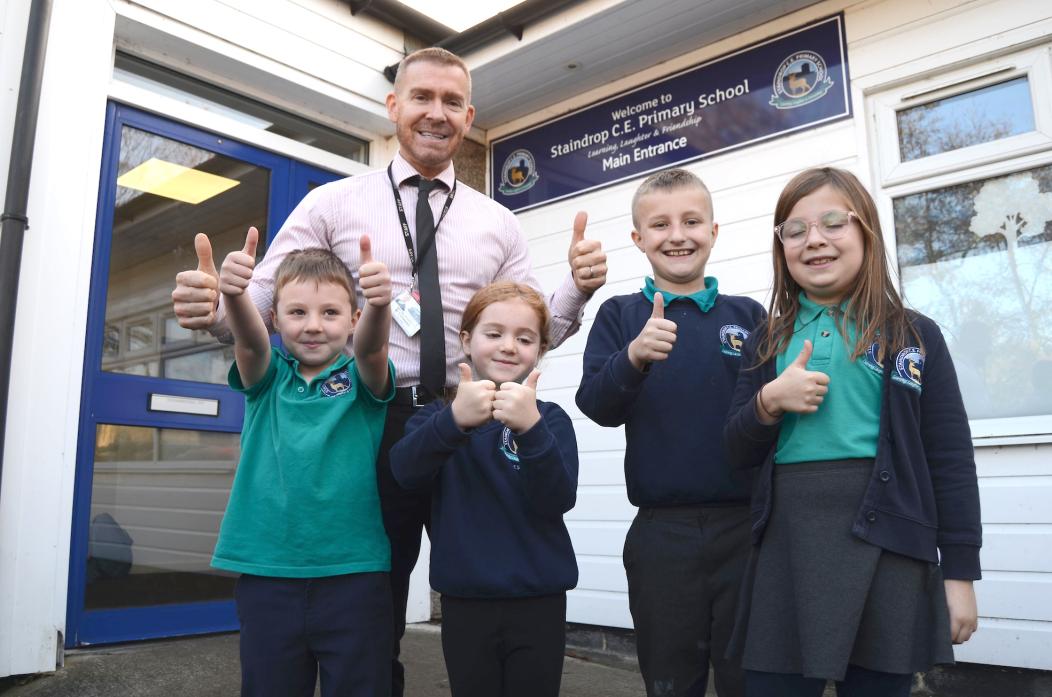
{"points": [[977, 258], [166, 192], [157, 499]]}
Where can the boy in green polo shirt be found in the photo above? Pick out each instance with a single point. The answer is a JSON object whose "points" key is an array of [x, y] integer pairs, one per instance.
{"points": [[303, 524]]}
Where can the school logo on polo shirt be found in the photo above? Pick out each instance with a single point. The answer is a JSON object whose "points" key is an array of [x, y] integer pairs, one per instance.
{"points": [[732, 338], [519, 173], [871, 358], [337, 384], [909, 368], [801, 78], [509, 448]]}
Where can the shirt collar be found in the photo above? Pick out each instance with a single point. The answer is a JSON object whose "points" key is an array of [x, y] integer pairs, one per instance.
{"points": [[810, 311], [402, 170], [339, 364], [704, 298]]}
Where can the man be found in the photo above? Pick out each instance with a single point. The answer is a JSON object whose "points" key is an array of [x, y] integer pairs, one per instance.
{"points": [[457, 241]]}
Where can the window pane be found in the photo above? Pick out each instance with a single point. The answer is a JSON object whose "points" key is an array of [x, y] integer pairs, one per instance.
{"points": [[167, 191], [979, 116], [977, 258], [157, 498]]}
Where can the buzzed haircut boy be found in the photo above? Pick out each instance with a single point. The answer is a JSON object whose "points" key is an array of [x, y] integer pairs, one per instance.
{"points": [[663, 363]]}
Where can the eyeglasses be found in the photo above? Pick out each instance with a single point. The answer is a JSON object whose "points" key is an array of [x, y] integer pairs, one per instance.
{"points": [[832, 224]]}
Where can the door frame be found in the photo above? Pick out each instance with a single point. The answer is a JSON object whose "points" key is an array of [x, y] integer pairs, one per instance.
{"points": [[287, 184]]}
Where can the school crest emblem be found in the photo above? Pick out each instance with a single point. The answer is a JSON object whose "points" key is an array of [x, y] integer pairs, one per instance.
{"points": [[871, 358], [732, 338], [801, 78], [509, 448], [909, 368], [337, 384], [519, 173]]}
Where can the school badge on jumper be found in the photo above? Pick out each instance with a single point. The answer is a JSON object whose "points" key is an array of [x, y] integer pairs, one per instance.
{"points": [[519, 173], [509, 448], [337, 384], [909, 368], [802, 78], [732, 337]]}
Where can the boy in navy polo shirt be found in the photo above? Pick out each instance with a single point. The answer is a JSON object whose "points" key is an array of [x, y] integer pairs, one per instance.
{"points": [[663, 362], [303, 524]]}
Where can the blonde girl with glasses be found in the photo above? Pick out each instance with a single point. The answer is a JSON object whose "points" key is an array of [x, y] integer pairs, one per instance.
{"points": [[866, 527]]}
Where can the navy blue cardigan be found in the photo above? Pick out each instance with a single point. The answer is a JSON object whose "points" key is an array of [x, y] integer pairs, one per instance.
{"points": [[923, 496], [497, 501]]}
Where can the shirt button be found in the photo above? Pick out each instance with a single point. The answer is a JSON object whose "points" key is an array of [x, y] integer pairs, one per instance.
{"points": [[300, 388], [871, 516], [825, 332], [885, 476]]}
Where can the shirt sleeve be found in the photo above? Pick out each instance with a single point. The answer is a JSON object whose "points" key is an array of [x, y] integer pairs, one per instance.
{"points": [[549, 465], [431, 437], [951, 461], [566, 303], [233, 377], [746, 439], [309, 226], [610, 383], [366, 394]]}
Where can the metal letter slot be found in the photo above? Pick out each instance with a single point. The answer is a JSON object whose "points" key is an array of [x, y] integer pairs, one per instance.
{"points": [[184, 405]]}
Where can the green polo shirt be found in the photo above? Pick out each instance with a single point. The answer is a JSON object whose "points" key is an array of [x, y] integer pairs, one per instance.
{"points": [[304, 502], [847, 422]]}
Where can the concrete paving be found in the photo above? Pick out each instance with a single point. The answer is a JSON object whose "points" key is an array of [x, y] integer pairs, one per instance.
{"points": [[208, 667]]}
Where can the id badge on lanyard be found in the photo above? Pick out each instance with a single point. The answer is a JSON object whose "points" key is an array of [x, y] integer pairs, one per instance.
{"points": [[405, 307]]}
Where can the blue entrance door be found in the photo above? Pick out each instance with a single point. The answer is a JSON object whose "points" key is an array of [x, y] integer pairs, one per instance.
{"points": [[159, 433]]}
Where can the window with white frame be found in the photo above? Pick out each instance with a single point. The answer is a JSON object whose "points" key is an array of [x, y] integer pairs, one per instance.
{"points": [[966, 171]]}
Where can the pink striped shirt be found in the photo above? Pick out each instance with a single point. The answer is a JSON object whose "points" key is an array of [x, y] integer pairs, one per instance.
{"points": [[479, 242]]}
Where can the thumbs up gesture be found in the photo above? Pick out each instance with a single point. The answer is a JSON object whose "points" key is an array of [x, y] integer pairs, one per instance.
{"points": [[587, 258], [196, 291], [655, 342], [797, 389], [473, 405], [373, 276], [515, 405], [237, 267]]}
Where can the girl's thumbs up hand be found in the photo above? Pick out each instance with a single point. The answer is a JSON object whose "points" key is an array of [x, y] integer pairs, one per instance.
{"points": [[797, 389], [473, 405], [655, 342], [236, 273], [515, 405]]}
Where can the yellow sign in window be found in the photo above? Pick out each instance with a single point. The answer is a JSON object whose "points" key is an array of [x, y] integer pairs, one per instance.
{"points": [[175, 181]]}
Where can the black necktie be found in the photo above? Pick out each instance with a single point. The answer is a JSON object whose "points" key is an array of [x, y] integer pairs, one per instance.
{"points": [[432, 327]]}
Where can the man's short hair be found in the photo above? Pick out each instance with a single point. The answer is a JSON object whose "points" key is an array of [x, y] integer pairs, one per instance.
{"points": [[436, 55], [668, 180], [318, 265]]}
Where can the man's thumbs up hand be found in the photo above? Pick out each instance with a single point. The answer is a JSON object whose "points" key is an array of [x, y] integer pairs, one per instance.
{"points": [[587, 258], [196, 291]]}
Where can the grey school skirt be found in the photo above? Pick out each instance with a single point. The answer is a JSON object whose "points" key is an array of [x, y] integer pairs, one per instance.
{"points": [[816, 598]]}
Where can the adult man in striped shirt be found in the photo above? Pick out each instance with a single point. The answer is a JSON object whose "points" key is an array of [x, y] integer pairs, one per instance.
{"points": [[476, 239]]}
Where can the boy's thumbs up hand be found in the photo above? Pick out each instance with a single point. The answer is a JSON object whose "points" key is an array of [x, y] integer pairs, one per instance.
{"points": [[655, 342], [515, 405], [797, 389], [196, 291], [373, 276], [587, 258], [236, 273], [473, 405]]}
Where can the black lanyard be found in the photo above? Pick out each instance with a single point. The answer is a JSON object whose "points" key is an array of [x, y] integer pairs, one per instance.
{"points": [[405, 223]]}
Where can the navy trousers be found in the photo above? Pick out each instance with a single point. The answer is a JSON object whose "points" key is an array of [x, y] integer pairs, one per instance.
{"points": [[293, 629]]}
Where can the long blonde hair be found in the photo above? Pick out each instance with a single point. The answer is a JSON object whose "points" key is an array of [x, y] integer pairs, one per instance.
{"points": [[872, 302]]}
